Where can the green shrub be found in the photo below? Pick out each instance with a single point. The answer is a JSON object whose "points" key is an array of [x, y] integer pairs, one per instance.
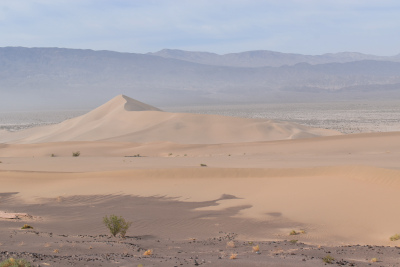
{"points": [[116, 225], [328, 259], [395, 237], [293, 232], [26, 226], [76, 154], [293, 241], [11, 262]]}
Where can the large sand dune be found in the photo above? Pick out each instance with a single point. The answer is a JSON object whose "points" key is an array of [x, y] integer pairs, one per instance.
{"points": [[123, 119]]}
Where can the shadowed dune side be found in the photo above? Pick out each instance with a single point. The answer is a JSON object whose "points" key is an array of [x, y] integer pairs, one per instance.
{"points": [[123, 119]]}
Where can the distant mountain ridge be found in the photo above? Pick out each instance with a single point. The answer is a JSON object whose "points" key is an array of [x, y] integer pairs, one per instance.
{"points": [[58, 78], [265, 58]]}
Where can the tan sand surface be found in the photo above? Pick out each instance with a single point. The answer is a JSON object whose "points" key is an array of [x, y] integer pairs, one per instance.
{"points": [[335, 205], [345, 196], [339, 189]]}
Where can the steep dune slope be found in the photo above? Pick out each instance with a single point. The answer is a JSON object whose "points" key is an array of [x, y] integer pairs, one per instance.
{"points": [[126, 120]]}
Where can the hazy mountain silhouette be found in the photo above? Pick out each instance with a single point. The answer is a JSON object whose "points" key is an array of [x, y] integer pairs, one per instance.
{"points": [[72, 78], [264, 58]]}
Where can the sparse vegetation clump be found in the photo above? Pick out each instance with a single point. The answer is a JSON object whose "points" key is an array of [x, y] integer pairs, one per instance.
{"points": [[148, 252], [231, 244], [293, 232], [293, 241], [233, 256], [256, 248], [53, 155], [11, 262], [26, 226], [328, 259], [203, 165], [374, 260], [395, 237], [116, 225], [76, 154]]}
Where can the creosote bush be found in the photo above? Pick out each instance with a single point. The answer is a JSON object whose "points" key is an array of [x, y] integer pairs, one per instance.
{"points": [[11, 262], [76, 154], [116, 225], [328, 259], [293, 232], [395, 237]]}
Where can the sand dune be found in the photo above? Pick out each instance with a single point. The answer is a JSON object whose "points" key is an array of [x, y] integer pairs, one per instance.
{"points": [[123, 119], [372, 149], [260, 180]]}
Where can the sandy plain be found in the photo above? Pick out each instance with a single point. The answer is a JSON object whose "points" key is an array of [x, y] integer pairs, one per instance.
{"points": [[339, 193]]}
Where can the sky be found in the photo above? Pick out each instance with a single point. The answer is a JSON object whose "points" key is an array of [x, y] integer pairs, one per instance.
{"points": [[310, 27]]}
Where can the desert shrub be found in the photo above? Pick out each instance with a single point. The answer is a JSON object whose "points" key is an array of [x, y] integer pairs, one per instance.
{"points": [[76, 154], [233, 256], [53, 155], [293, 232], [26, 226], [328, 259], [256, 248], [231, 244], [116, 225], [148, 252], [395, 237], [11, 262], [203, 165], [374, 260], [293, 241]]}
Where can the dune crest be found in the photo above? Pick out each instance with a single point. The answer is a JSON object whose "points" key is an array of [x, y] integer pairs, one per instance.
{"points": [[124, 119]]}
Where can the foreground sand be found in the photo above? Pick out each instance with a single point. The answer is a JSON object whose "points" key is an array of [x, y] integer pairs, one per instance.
{"points": [[342, 190]]}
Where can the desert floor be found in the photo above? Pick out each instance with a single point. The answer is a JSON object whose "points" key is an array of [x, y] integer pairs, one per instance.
{"points": [[339, 193], [199, 195]]}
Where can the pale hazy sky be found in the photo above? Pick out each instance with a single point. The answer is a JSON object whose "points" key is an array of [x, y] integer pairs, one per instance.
{"points": [[220, 26]]}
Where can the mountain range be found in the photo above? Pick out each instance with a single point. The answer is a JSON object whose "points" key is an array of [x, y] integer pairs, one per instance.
{"points": [[59, 78], [264, 58]]}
